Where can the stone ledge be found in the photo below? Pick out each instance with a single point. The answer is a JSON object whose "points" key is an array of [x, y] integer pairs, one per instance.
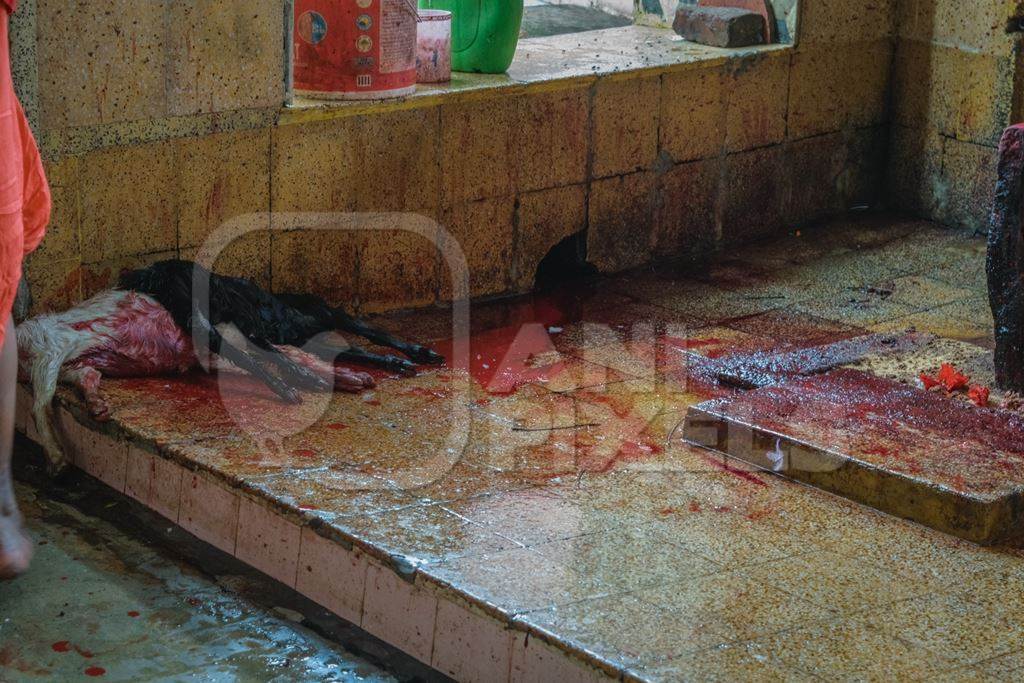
{"points": [[542, 65], [552, 63]]}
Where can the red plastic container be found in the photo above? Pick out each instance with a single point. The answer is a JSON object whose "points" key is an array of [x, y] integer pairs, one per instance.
{"points": [[354, 49]]}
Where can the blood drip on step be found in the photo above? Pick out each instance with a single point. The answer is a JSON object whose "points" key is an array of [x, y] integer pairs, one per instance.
{"points": [[736, 472]]}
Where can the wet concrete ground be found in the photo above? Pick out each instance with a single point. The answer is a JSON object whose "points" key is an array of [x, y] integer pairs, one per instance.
{"points": [[101, 602]]}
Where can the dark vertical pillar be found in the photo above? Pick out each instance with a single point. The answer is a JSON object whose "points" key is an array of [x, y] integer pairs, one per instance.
{"points": [[1005, 264]]}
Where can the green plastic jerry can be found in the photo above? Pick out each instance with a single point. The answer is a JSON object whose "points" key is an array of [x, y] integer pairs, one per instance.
{"points": [[484, 32]]}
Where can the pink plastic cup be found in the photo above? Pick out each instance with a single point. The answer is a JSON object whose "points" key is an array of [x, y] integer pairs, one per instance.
{"points": [[434, 46]]}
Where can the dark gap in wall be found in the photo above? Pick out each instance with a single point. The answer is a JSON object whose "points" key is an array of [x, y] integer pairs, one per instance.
{"points": [[565, 262]]}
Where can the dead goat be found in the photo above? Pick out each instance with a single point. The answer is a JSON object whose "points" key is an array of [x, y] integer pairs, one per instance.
{"points": [[158, 322]]}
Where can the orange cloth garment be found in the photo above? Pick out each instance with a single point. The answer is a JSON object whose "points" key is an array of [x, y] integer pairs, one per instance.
{"points": [[24, 192]]}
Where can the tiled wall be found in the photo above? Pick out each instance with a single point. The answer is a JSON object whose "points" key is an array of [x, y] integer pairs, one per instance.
{"points": [[955, 89], [156, 137]]}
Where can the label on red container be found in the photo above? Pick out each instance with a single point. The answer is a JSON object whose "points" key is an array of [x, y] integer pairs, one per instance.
{"points": [[397, 37], [349, 46]]}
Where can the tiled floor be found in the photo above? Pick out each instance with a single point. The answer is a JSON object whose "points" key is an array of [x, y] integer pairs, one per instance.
{"points": [[527, 514]]}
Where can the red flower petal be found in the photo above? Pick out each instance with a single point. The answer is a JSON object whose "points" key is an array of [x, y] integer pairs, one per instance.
{"points": [[951, 378], [979, 396]]}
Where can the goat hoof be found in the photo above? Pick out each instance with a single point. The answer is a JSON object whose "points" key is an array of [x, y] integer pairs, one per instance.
{"points": [[425, 356], [99, 410]]}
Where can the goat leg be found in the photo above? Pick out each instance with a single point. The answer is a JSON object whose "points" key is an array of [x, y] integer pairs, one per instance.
{"points": [[292, 369], [355, 354], [416, 352], [243, 360], [87, 381], [346, 379], [45, 375]]}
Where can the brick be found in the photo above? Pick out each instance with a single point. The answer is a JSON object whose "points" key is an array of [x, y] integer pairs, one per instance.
{"points": [[756, 192], [945, 22], [756, 112], [247, 256], [719, 26], [969, 174], [835, 22], [223, 56], [222, 177], [550, 156], [476, 151], [834, 87], [961, 94], [55, 285], [129, 201], [685, 217], [693, 113], [101, 62], [398, 262], [620, 221], [298, 265], [483, 229], [625, 125], [314, 167], [396, 165], [763, 8], [819, 162], [545, 218]]}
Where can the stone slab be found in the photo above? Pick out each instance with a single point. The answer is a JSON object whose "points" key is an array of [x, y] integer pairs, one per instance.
{"points": [[916, 454]]}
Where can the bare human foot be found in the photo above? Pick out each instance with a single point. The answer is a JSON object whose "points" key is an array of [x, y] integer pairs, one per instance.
{"points": [[15, 547]]}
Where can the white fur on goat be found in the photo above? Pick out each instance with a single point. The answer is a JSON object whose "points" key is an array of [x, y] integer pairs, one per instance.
{"points": [[116, 332], [122, 333]]}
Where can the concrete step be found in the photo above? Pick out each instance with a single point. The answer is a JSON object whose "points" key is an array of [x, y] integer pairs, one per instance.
{"points": [[194, 470]]}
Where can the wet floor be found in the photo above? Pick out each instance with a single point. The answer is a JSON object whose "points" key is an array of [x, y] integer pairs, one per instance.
{"points": [[537, 477], [98, 603]]}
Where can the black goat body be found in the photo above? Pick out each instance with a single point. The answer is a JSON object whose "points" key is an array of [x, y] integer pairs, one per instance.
{"points": [[266, 320]]}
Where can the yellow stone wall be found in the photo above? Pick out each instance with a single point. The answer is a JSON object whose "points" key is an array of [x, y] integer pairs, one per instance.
{"points": [[955, 89], [155, 137], [130, 60]]}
